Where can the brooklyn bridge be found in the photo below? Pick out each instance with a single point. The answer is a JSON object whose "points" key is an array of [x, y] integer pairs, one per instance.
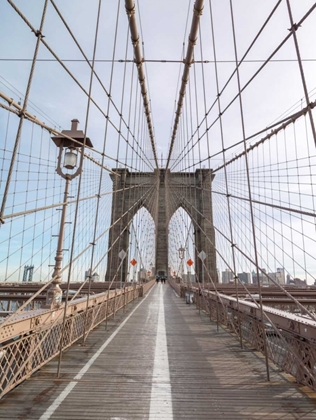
{"points": [[157, 209]]}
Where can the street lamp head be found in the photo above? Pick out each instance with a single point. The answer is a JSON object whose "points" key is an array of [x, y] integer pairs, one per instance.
{"points": [[68, 136], [70, 158], [70, 140], [181, 253]]}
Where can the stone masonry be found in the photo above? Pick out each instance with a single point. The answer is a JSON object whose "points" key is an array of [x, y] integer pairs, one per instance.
{"points": [[162, 193]]}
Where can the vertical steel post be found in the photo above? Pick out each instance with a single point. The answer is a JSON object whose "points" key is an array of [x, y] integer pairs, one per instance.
{"points": [[121, 279], [114, 308], [217, 314], [54, 293], [203, 274]]}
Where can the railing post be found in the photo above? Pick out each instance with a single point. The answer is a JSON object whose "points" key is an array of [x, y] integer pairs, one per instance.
{"points": [[71, 328], [107, 310], [217, 315], [114, 306], [30, 354]]}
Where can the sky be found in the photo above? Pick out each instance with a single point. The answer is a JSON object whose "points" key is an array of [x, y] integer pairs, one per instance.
{"points": [[163, 26]]}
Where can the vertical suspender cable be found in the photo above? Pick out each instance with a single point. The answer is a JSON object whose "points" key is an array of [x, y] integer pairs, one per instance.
{"points": [[225, 168], [197, 12], [249, 189], [78, 196], [130, 10]]}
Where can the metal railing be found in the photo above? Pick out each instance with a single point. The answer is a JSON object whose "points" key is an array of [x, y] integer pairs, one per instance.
{"points": [[25, 354], [292, 349]]}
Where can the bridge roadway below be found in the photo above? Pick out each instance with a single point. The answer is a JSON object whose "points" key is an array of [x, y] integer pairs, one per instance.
{"points": [[159, 360]]}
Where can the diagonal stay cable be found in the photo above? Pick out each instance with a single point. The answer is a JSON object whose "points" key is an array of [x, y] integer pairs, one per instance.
{"points": [[106, 116], [197, 12]]}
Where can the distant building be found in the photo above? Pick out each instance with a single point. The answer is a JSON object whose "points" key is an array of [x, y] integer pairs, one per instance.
{"points": [[189, 278], [245, 277], [281, 275], [28, 273], [142, 275], [298, 282], [227, 276], [262, 277], [267, 278], [278, 276]]}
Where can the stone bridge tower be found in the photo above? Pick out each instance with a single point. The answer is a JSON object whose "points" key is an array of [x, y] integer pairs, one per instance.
{"points": [[162, 193]]}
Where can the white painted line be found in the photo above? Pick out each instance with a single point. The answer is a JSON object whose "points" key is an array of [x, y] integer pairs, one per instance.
{"points": [[53, 407], [161, 398], [175, 293]]}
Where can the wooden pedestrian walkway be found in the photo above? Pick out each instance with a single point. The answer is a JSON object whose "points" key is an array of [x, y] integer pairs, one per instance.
{"points": [[159, 360]]}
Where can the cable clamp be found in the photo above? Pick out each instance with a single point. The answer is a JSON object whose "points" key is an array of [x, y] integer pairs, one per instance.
{"points": [[135, 42], [192, 42], [294, 28], [197, 12], [38, 33], [22, 113], [131, 11]]}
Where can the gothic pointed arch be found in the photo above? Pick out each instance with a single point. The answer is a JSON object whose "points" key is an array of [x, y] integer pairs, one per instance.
{"points": [[162, 193]]}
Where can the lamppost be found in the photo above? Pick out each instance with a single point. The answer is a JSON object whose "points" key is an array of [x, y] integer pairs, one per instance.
{"points": [[54, 293], [151, 269], [181, 251], [122, 255], [202, 255]]}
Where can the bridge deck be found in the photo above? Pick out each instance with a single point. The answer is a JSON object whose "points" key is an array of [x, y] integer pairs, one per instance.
{"points": [[164, 362]]}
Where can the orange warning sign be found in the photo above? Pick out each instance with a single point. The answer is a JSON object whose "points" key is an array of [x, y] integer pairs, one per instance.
{"points": [[133, 262], [190, 262]]}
